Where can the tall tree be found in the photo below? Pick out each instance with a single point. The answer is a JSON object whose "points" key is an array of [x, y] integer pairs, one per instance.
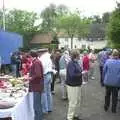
{"points": [[113, 31], [48, 16], [83, 28], [22, 22], [72, 25], [69, 24], [106, 17], [62, 10], [97, 19]]}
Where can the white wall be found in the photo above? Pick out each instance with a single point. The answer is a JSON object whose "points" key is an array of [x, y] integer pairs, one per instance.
{"points": [[66, 42]]}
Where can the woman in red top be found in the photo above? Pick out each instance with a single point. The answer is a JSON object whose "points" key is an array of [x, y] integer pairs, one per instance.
{"points": [[85, 67], [26, 64]]}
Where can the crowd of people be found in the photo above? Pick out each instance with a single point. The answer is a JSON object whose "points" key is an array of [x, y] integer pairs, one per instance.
{"points": [[42, 68]]}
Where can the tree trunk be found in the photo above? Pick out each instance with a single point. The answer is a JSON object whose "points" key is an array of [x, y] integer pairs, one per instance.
{"points": [[72, 42]]}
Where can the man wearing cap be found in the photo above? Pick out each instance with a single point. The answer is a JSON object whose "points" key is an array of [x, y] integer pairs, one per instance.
{"points": [[47, 70], [36, 85]]}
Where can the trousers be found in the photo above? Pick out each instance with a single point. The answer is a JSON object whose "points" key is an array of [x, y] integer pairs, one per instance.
{"points": [[74, 97], [37, 106], [114, 92], [63, 85], [101, 75], [46, 100]]}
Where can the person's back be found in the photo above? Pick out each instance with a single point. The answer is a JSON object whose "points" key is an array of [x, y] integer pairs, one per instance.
{"points": [[112, 72], [46, 62], [36, 74], [36, 85], [74, 73], [112, 81], [101, 58], [13, 59], [62, 64]]}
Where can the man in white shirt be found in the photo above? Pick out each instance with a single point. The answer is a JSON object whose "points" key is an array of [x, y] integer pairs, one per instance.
{"points": [[47, 70]]}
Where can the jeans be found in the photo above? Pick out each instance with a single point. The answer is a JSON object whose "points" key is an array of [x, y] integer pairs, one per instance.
{"points": [[46, 95], [37, 105], [63, 85], [14, 69]]}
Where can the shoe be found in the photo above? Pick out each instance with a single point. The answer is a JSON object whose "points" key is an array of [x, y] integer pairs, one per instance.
{"points": [[113, 110], [49, 112], [84, 83], [64, 98], [76, 118], [45, 113], [53, 92], [92, 78], [105, 108], [102, 85]]}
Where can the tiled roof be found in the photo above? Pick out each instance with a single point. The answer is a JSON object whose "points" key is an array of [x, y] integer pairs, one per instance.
{"points": [[42, 38]]}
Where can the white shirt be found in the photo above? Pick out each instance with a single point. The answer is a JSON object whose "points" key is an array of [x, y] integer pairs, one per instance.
{"points": [[46, 62]]}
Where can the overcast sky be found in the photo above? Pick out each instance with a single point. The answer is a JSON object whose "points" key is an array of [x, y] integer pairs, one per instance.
{"points": [[87, 7]]}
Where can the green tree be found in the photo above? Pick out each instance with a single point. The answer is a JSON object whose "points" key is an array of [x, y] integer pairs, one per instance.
{"points": [[22, 22], [113, 29], [72, 25], [83, 28], [97, 19], [48, 16], [69, 25], [106, 17], [62, 10]]}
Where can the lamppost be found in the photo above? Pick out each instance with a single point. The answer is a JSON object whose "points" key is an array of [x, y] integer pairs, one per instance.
{"points": [[3, 8]]}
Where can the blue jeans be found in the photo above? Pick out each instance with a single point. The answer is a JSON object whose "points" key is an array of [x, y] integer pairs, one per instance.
{"points": [[46, 95], [37, 105]]}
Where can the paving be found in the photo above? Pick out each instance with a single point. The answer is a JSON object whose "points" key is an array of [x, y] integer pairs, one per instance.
{"points": [[91, 104]]}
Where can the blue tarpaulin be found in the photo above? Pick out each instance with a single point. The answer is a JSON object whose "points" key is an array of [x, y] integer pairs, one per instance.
{"points": [[9, 43]]}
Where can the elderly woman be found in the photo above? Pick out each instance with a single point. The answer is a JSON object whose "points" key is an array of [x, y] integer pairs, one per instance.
{"points": [[92, 59], [74, 81], [112, 80], [63, 62], [86, 66]]}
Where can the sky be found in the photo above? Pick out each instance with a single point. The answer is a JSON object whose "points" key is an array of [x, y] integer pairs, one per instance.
{"points": [[87, 7]]}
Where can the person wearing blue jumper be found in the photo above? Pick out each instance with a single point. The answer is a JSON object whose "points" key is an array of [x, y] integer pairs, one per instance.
{"points": [[74, 81], [111, 75]]}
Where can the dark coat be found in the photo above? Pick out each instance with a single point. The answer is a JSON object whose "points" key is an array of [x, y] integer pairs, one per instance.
{"points": [[74, 74], [36, 83]]}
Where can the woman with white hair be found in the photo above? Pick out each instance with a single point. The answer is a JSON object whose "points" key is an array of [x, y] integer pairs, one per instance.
{"points": [[64, 60], [92, 59]]}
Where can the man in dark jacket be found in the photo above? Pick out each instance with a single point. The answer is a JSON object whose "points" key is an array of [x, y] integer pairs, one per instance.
{"points": [[74, 81], [36, 85]]}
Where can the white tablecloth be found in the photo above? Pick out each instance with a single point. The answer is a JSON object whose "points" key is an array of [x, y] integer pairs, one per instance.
{"points": [[22, 111]]}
